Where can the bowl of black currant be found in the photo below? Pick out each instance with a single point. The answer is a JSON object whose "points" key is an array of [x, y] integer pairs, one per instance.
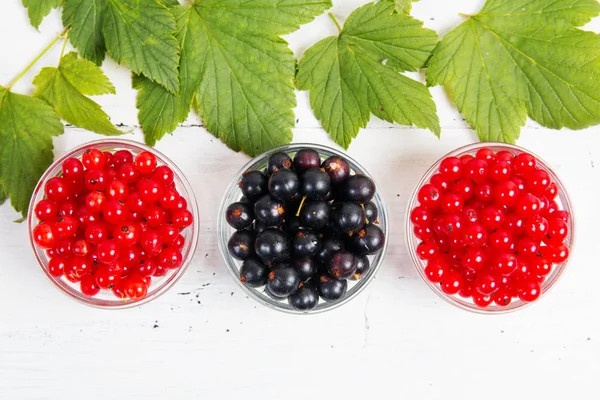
{"points": [[303, 228]]}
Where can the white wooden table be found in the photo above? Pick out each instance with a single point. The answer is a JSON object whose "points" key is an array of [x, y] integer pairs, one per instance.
{"points": [[204, 339]]}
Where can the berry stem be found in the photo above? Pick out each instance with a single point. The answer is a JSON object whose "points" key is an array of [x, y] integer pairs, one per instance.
{"points": [[37, 58], [363, 207], [301, 205], [335, 22]]}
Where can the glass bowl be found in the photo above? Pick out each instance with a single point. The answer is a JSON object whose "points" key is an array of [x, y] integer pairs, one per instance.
{"points": [[412, 241], [233, 194], [159, 285]]}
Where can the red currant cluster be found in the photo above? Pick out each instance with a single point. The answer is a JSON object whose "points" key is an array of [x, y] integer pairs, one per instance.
{"points": [[490, 227], [112, 221]]}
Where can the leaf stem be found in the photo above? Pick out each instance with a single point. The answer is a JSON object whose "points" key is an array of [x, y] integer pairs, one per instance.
{"points": [[335, 22], [465, 15], [64, 46], [37, 58]]}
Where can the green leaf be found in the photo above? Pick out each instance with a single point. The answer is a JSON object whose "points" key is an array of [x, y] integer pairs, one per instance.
{"points": [[522, 57], [38, 9], [26, 129], [3, 196], [235, 68], [65, 88], [403, 6], [358, 73], [138, 33]]}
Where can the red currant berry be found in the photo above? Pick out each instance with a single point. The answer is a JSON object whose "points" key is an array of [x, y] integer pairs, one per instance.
{"points": [[451, 225], [486, 283], [146, 267], [117, 190], [421, 216], [107, 252], [465, 189], [528, 248], [78, 268], [121, 157], [515, 225], [145, 163], [135, 288], [160, 271], [486, 154], [179, 242], [183, 218], [72, 169], [529, 290], [108, 159], [527, 205], [80, 248], [536, 227], [114, 212], [63, 247], [44, 235], [455, 258], [155, 216], [93, 159], [95, 201], [105, 278], [538, 182], [96, 233], [95, 179], [169, 198], [552, 191], [502, 240], [46, 210], [452, 203], [481, 300], [504, 264], [552, 207], [476, 170], [505, 156], [119, 291], [475, 235], [465, 158], [135, 203], [421, 232], [427, 251], [451, 168], [127, 173], [150, 191], [559, 254], [163, 175], [541, 266], [520, 182], [57, 189], [505, 193], [126, 234], [440, 182], [86, 217], [492, 217], [558, 230], [502, 297], [483, 192], [561, 214], [66, 227], [429, 196], [470, 214], [469, 275], [67, 208], [57, 265], [151, 242], [474, 259], [452, 282], [88, 286], [524, 164], [181, 203], [501, 171], [436, 270]]}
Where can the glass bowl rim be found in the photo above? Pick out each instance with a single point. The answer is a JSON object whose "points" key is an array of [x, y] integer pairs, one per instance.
{"points": [[233, 270], [409, 234], [192, 206]]}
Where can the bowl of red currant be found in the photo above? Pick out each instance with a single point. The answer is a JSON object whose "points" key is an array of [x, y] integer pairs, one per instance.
{"points": [[303, 228], [490, 228], [113, 223]]}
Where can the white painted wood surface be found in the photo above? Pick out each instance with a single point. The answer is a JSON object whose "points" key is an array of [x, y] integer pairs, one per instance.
{"points": [[396, 340]]}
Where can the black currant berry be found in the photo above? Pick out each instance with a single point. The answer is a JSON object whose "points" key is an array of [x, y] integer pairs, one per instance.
{"points": [[329, 247], [306, 244], [292, 223], [258, 227], [314, 215], [239, 215], [278, 161], [337, 168], [306, 159], [315, 184], [284, 184], [359, 188], [331, 289], [305, 299], [371, 212], [270, 211], [283, 281], [272, 295], [368, 240], [272, 246], [253, 273], [254, 185], [342, 265], [349, 217], [241, 244], [363, 265], [306, 267]]}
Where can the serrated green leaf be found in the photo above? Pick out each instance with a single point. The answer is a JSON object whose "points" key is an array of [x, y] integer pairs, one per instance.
{"points": [[26, 129], [170, 3], [522, 57], [138, 33], [358, 73], [237, 68], [403, 6], [3, 196], [38, 9], [65, 88]]}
